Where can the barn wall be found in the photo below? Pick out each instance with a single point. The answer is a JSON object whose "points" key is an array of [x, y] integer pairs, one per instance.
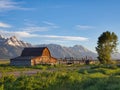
{"points": [[32, 62], [46, 52], [20, 62], [53, 60], [43, 60]]}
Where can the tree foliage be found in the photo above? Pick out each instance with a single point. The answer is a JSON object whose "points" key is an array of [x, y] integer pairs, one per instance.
{"points": [[107, 43]]}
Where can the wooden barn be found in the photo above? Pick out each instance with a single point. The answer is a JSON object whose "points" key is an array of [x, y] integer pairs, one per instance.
{"points": [[33, 56]]}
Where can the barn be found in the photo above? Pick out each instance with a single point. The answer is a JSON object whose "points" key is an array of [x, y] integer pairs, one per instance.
{"points": [[33, 56]]}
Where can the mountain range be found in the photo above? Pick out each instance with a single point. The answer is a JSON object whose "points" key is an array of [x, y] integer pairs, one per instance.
{"points": [[77, 51], [12, 47]]}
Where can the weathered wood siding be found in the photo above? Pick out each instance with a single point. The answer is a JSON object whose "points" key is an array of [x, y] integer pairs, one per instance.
{"points": [[46, 52], [44, 60], [20, 62], [34, 56]]}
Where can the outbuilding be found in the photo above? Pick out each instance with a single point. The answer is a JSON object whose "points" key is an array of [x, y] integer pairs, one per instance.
{"points": [[33, 56]]}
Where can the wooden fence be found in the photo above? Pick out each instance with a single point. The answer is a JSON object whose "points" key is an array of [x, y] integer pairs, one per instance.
{"points": [[76, 61]]}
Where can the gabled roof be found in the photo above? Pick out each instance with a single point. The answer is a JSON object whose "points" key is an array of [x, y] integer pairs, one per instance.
{"points": [[33, 51]]}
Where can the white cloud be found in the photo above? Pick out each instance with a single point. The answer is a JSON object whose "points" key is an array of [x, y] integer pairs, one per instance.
{"points": [[56, 41], [60, 6], [11, 5], [35, 29], [19, 34], [49, 23], [53, 25], [4, 25], [31, 31], [69, 38], [23, 34], [31, 27], [84, 27]]}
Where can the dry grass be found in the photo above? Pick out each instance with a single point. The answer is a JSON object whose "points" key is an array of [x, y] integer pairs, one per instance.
{"points": [[4, 61]]}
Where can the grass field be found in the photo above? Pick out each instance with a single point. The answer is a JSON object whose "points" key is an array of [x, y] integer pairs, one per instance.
{"points": [[62, 77], [2, 61]]}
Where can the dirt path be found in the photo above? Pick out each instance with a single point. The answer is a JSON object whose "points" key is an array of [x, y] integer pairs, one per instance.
{"points": [[35, 71], [19, 73]]}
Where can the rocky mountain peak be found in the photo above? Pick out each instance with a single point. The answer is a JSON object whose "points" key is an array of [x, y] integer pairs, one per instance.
{"points": [[80, 48], [76, 51], [11, 47], [1, 37], [13, 38], [13, 41]]}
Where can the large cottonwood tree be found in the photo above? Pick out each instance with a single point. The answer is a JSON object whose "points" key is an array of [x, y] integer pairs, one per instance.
{"points": [[106, 45]]}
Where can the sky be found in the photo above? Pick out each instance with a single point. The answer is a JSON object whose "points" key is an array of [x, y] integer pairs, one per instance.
{"points": [[64, 22]]}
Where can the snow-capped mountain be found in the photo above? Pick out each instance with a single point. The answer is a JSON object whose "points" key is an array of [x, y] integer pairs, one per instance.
{"points": [[13, 41], [11, 47], [2, 39]]}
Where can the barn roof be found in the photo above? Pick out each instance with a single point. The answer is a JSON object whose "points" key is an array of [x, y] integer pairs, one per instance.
{"points": [[33, 51]]}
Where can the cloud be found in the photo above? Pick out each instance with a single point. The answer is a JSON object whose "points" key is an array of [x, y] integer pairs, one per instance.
{"points": [[27, 31], [53, 25], [11, 5], [69, 38], [31, 29], [59, 6], [4, 25], [84, 27], [49, 23], [19, 34], [23, 34], [56, 41]]}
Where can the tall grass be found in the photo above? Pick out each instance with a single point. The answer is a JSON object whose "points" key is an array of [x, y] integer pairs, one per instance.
{"points": [[65, 78]]}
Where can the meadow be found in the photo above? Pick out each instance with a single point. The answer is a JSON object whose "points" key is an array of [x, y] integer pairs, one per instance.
{"points": [[61, 77]]}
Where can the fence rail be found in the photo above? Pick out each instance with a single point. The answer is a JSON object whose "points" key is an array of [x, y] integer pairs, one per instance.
{"points": [[76, 61]]}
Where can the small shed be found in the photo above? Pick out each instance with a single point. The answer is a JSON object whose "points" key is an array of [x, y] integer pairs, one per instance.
{"points": [[33, 56]]}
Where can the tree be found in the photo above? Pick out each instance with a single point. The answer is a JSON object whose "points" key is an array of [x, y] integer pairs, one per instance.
{"points": [[107, 43]]}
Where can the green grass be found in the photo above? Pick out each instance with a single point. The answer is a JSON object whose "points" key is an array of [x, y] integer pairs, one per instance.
{"points": [[61, 77], [6, 67], [64, 77]]}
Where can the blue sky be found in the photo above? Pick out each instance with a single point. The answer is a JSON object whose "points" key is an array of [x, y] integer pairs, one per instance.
{"points": [[65, 22]]}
